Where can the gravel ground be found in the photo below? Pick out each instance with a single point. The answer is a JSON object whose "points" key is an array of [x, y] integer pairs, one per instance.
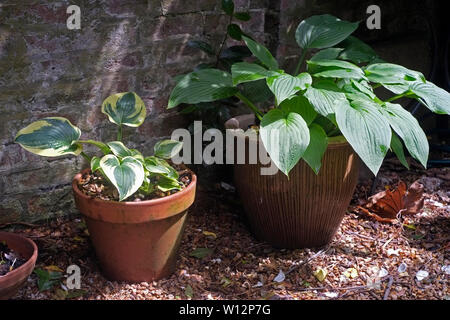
{"points": [[366, 260]]}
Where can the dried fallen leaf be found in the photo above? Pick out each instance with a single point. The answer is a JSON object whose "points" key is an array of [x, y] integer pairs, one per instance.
{"points": [[320, 274], [210, 234], [53, 268], [393, 252], [331, 294], [386, 205]]}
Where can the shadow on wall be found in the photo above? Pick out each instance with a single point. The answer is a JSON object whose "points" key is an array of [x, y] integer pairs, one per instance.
{"points": [[48, 70]]}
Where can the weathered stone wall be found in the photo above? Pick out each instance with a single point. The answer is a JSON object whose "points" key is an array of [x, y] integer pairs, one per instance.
{"points": [[139, 45], [48, 70]]}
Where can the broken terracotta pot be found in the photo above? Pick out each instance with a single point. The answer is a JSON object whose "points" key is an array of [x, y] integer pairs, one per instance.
{"points": [[13, 280], [136, 241]]}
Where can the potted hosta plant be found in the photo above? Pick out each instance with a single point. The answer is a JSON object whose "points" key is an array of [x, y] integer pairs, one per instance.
{"points": [[17, 260], [321, 121], [134, 206]]}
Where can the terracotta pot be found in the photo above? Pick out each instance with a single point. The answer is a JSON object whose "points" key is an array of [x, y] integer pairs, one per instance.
{"points": [[136, 241], [27, 249], [304, 210]]}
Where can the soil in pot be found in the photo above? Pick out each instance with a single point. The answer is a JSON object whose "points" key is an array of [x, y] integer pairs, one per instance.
{"points": [[96, 186], [9, 259]]}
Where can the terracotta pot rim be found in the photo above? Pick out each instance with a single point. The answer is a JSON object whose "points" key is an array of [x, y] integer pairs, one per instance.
{"points": [[31, 260], [145, 203]]}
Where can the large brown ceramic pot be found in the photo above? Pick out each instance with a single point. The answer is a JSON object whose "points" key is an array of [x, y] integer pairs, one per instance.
{"points": [[27, 249], [304, 210], [136, 241]]}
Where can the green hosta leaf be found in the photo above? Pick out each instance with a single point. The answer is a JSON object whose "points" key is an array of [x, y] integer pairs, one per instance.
{"points": [[243, 16], [363, 87], [323, 31], [261, 52], [397, 88], [202, 45], [366, 130], [256, 91], [335, 69], [126, 175], [234, 31], [397, 147], [119, 149], [50, 137], [228, 6], [391, 74], [433, 97], [102, 146], [202, 86], [357, 51], [327, 54], [324, 96], [95, 163], [318, 143], [245, 72], [285, 137], [125, 108], [285, 86], [166, 184], [299, 104], [166, 149], [407, 127]]}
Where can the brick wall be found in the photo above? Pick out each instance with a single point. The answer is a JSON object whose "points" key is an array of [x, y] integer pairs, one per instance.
{"points": [[47, 70], [138, 45]]}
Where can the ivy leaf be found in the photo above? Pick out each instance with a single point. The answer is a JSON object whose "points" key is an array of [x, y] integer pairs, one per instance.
{"points": [[234, 31]]}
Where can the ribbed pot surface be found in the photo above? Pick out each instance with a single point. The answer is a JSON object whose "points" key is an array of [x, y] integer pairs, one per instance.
{"points": [[304, 210]]}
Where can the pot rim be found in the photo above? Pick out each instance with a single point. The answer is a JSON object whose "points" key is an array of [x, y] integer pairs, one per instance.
{"points": [[30, 261], [145, 203]]}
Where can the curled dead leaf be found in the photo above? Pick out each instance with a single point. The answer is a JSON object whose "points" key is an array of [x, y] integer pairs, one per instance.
{"points": [[386, 205]]}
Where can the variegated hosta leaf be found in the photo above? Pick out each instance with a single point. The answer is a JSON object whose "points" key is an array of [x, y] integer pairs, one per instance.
{"points": [[166, 184], [166, 149], [125, 108], [119, 149], [95, 163], [50, 137], [160, 167], [127, 175]]}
